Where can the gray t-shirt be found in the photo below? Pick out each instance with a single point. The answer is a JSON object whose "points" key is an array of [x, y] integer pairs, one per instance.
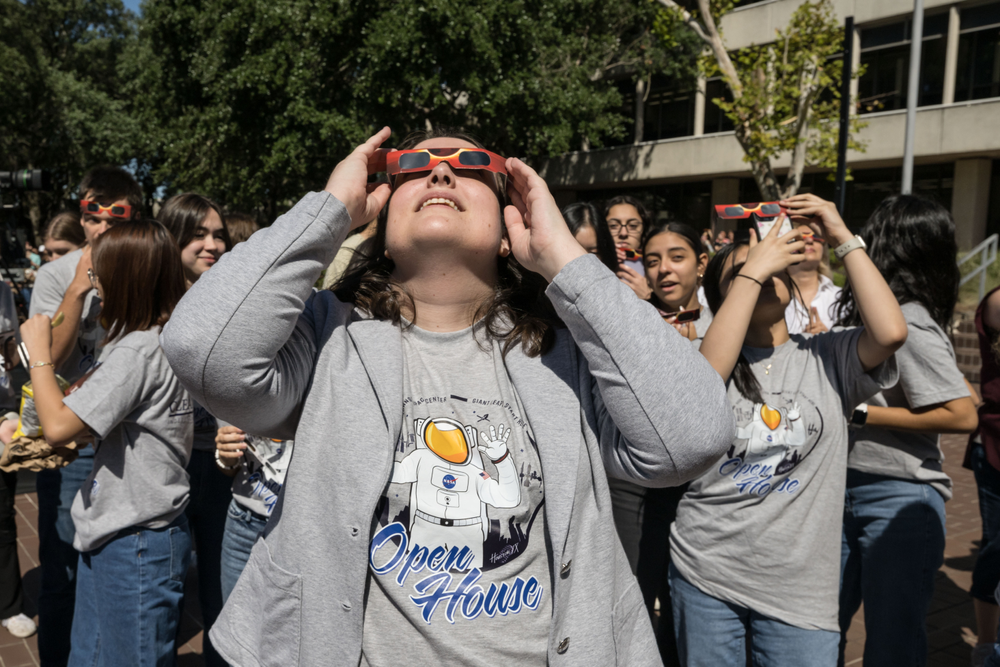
{"points": [[141, 418], [928, 375], [761, 529], [459, 567], [51, 283]]}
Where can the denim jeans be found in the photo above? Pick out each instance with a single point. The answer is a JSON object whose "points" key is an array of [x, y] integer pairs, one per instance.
{"points": [[211, 493], [893, 545], [242, 529], [712, 633], [57, 597], [129, 593], [986, 573]]}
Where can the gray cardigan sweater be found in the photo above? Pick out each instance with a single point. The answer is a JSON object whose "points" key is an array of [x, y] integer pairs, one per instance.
{"points": [[619, 394]]}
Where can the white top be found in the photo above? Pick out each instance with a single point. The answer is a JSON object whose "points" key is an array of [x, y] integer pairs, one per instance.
{"points": [[825, 303]]}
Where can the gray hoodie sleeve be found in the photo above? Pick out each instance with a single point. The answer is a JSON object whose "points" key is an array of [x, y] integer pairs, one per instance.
{"points": [[662, 413], [209, 339]]}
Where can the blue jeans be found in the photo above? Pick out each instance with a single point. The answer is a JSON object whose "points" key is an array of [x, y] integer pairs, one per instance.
{"points": [[712, 633], [211, 493], [242, 529], [893, 545], [57, 597], [128, 600], [986, 573]]}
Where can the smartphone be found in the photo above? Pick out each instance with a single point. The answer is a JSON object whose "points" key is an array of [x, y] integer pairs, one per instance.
{"points": [[633, 260], [684, 316], [764, 225]]}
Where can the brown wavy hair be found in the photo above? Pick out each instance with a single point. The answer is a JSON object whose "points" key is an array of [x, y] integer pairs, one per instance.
{"points": [[517, 312], [139, 266]]}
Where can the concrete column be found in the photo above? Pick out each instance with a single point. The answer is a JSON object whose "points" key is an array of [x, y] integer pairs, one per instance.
{"points": [[970, 200], [699, 107], [951, 56], [855, 64], [724, 191]]}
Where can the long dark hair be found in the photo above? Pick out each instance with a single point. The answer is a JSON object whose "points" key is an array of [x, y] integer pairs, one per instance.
{"points": [[517, 312], [911, 240], [746, 382], [584, 214], [139, 266]]}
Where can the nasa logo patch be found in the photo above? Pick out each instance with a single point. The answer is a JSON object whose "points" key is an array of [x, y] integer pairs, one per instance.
{"points": [[449, 481]]}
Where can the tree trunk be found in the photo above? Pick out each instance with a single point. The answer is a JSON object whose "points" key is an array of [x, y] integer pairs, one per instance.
{"points": [[640, 110]]}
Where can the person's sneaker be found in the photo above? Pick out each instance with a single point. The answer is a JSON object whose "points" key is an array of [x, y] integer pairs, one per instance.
{"points": [[19, 626], [980, 653]]}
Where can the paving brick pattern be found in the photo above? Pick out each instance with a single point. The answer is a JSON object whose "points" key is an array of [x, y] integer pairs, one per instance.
{"points": [[950, 623]]}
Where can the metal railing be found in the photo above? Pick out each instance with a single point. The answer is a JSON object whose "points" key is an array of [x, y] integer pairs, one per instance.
{"points": [[987, 254]]}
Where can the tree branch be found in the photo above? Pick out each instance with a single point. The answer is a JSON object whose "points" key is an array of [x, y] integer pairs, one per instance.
{"points": [[689, 19]]}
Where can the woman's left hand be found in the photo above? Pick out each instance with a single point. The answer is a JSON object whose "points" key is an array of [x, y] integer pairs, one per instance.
{"points": [[819, 214], [637, 282], [539, 237], [36, 334]]}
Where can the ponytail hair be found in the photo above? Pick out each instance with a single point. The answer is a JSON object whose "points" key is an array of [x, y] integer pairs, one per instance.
{"points": [[744, 379]]}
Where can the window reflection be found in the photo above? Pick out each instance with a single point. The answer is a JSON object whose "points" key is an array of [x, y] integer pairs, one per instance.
{"points": [[885, 53], [978, 75]]}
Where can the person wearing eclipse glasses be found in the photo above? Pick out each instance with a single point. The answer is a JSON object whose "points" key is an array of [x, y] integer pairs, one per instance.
{"points": [[108, 196], [447, 499]]}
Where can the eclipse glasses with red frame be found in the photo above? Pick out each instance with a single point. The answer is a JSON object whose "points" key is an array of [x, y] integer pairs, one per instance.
{"points": [[767, 209], [425, 159], [123, 211]]}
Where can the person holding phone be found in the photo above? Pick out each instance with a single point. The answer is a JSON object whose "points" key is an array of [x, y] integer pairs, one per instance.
{"points": [[447, 495], [894, 515], [131, 530], [754, 544], [627, 220]]}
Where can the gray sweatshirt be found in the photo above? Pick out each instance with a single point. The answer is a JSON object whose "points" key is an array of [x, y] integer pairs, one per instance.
{"points": [[619, 392]]}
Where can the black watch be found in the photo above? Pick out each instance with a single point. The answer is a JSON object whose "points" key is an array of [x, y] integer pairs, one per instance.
{"points": [[860, 416]]}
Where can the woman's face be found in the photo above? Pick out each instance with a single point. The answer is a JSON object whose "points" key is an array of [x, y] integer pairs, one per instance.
{"points": [[587, 237], [448, 209], [56, 248], [774, 297], [625, 225], [814, 251], [673, 269], [205, 248]]}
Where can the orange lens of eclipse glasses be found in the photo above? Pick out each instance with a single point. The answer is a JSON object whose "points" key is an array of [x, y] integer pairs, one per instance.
{"points": [[425, 159], [767, 209]]}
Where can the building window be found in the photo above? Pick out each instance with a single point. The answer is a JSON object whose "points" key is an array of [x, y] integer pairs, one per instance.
{"points": [[715, 119], [885, 53], [669, 111], [978, 75]]}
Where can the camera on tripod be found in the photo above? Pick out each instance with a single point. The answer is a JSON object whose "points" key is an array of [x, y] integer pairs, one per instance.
{"points": [[25, 180]]}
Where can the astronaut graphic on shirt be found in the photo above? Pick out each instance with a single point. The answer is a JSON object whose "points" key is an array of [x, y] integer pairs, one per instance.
{"points": [[773, 434], [450, 490]]}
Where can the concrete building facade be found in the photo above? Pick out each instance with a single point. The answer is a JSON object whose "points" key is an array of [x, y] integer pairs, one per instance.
{"points": [[687, 159]]}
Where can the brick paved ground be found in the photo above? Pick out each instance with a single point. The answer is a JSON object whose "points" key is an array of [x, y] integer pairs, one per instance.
{"points": [[950, 624]]}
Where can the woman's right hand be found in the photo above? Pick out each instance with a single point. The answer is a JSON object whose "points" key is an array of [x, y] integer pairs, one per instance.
{"points": [[349, 181], [231, 442], [773, 254]]}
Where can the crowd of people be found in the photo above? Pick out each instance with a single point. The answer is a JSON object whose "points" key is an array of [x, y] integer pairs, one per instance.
{"points": [[433, 417]]}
